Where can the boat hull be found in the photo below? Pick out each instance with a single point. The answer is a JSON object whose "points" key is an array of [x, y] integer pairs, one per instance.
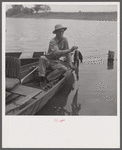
{"points": [[38, 101]]}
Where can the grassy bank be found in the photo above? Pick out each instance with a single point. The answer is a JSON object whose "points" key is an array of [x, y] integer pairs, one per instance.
{"points": [[100, 16]]}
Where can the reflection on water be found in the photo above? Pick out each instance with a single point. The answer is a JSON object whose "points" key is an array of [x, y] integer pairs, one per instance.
{"points": [[77, 72], [110, 64], [75, 107], [74, 95], [56, 105]]}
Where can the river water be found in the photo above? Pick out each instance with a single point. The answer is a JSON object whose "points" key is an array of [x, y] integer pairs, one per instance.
{"points": [[95, 93]]}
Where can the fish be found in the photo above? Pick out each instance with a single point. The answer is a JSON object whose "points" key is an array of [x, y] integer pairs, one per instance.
{"points": [[77, 56]]}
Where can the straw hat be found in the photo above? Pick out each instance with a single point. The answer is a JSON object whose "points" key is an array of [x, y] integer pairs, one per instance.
{"points": [[59, 26]]}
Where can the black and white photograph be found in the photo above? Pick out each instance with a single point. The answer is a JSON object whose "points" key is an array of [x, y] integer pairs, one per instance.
{"points": [[62, 62]]}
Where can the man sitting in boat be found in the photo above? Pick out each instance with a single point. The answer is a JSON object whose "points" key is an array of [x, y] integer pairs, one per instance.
{"points": [[58, 47]]}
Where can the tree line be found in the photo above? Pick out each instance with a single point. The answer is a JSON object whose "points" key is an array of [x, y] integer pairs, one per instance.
{"points": [[17, 9]]}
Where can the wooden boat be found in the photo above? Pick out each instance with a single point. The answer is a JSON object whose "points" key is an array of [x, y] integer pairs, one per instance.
{"points": [[26, 98]]}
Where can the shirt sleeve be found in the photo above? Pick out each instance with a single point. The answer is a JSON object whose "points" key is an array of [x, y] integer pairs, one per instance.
{"points": [[66, 44], [53, 48], [54, 51]]}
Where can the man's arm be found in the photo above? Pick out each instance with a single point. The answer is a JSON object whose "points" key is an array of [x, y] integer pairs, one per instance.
{"points": [[68, 56], [55, 52]]}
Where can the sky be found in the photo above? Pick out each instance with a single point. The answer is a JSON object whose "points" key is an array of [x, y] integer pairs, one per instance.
{"points": [[75, 6]]}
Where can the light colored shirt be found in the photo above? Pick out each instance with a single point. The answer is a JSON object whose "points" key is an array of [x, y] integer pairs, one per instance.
{"points": [[56, 49]]}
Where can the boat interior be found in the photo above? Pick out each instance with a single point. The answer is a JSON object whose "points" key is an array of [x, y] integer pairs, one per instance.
{"points": [[21, 76]]}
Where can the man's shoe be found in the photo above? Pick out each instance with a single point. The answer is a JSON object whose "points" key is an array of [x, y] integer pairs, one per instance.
{"points": [[43, 82], [42, 79]]}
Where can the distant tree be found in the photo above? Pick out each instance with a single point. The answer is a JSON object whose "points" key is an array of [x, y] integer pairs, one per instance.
{"points": [[37, 8], [31, 10], [20, 7], [9, 12], [45, 8], [17, 8], [27, 10]]}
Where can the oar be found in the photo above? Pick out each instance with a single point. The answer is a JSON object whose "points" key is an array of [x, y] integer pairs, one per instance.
{"points": [[23, 79]]}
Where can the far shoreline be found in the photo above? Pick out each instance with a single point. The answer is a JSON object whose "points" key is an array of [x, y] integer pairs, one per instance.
{"points": [[100, 16]]}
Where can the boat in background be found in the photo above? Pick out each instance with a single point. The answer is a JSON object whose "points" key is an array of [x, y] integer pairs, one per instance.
{"points": [[26, 97]]}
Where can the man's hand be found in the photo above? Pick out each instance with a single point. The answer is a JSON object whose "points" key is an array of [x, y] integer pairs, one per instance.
{"points": [[74, 48], [73, 67]]}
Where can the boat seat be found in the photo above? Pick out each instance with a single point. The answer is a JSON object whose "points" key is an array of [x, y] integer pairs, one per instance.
{"points": [[12, 72], [11, 83]]}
